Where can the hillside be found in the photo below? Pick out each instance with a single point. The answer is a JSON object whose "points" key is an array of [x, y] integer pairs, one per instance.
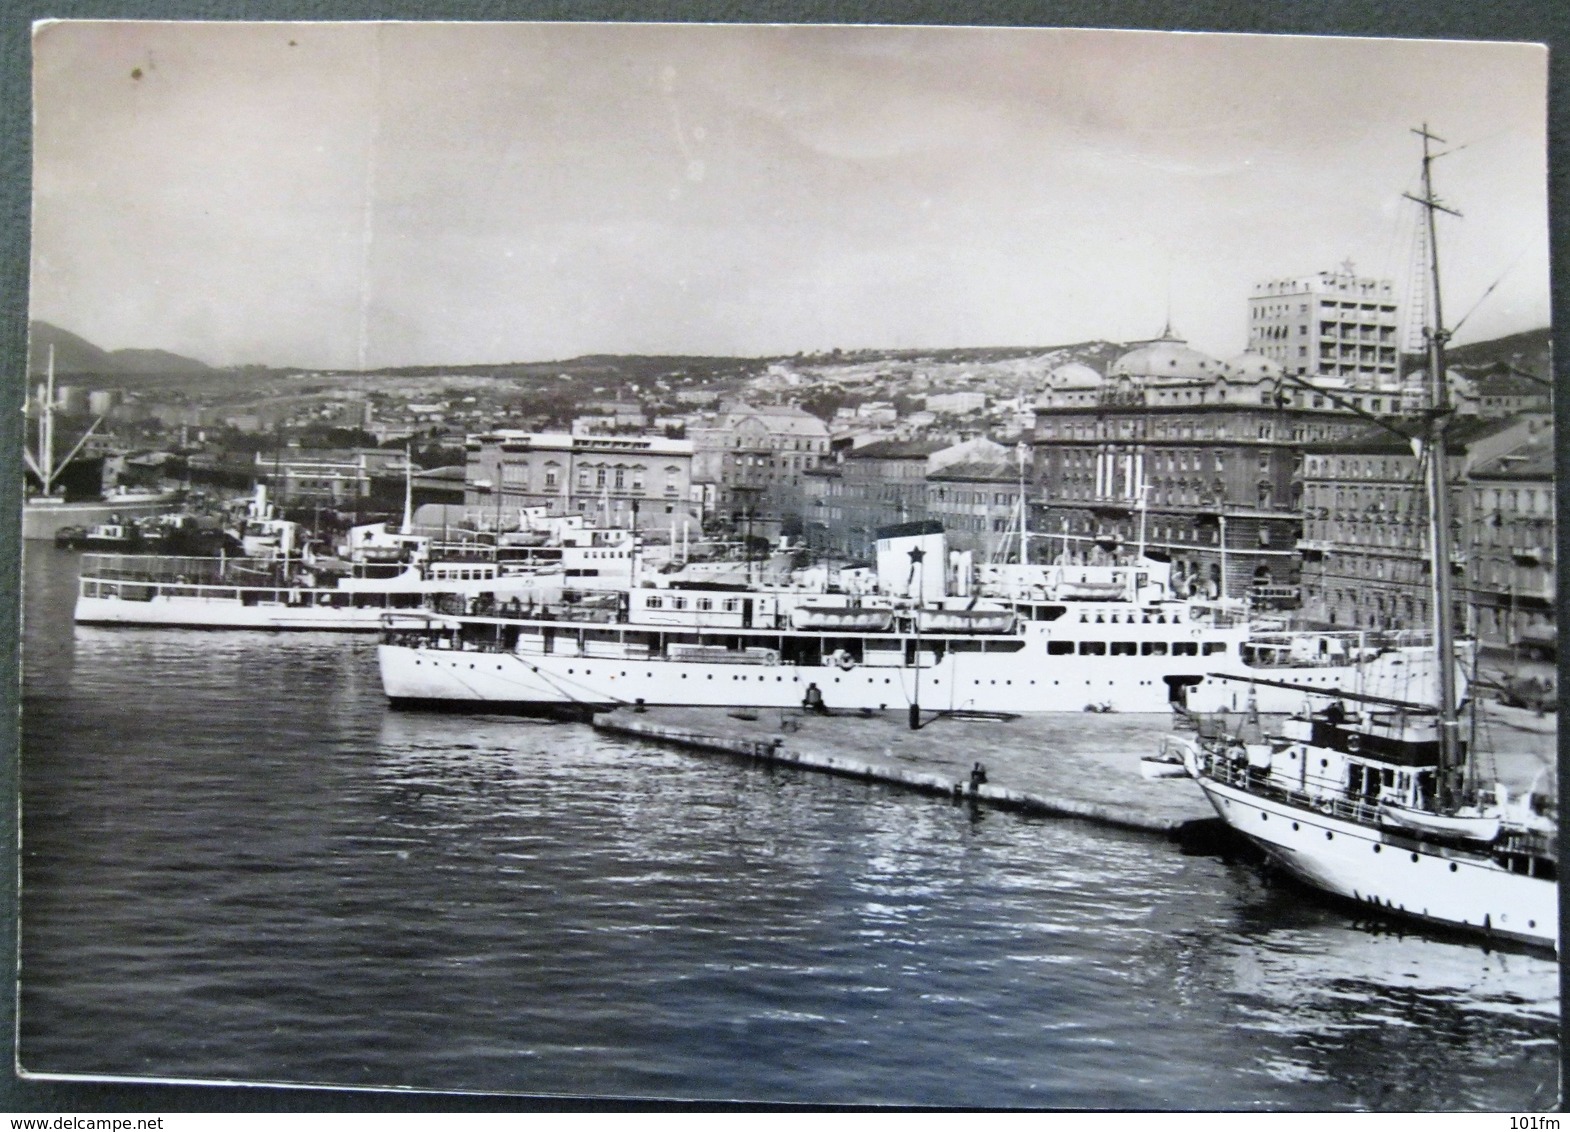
{"points": [[1529, 351], [75, 356]]}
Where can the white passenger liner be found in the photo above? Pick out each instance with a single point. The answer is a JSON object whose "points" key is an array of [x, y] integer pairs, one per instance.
{"points": [[728, 647], [384, 573]]}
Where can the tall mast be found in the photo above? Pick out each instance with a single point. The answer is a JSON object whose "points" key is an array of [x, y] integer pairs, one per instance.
{"points": [[1439, 491], [48, 452]]}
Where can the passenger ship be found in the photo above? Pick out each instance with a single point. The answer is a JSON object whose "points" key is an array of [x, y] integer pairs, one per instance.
{"points": [[282, 585], [714, 645]]}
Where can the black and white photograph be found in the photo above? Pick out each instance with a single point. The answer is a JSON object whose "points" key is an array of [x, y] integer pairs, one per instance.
{"points": [[964, 567]]}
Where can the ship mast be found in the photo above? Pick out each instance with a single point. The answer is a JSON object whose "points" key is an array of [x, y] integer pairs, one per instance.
{"points": [[1437, 420]]}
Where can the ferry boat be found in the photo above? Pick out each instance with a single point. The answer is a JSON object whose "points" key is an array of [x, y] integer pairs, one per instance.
{"points": [[281, 583], [1387, 803], [1127, 649]]}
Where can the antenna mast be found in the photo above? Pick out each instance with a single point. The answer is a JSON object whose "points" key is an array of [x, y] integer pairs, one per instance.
{"points": [[1438, 419]]}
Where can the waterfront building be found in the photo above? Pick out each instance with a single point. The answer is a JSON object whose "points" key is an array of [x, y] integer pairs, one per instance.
{"points": [[608, 479], [1335, 327], [1366, 562], [749, 462], [1181, 455], [1510, 533], [977, 503], [306, 477]]}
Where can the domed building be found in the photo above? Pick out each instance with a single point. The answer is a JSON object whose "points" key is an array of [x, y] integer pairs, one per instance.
{"points": [[1168, 358], [1072, 383], [1252, 365]]}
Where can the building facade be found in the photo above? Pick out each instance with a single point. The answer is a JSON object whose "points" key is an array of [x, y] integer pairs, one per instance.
{"points": [[1180, 455], [1510, 535], [1366, 539], [303, 477], [749, 464], [617, 480], [977, 502], [1334, 327]]}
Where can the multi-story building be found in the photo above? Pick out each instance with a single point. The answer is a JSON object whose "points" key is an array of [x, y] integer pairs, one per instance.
{"points": [[1335, 327], [977, 502], [613, 480], [1501, 392], [1366, 539], [749, 463], [326, 477], [878, 484], [1181, 455], [1509, 536]]}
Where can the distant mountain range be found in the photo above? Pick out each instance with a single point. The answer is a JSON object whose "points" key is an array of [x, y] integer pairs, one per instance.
{"points": [[75, 356]]}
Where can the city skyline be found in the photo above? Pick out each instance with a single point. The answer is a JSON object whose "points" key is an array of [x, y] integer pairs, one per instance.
{"points": [[367, 196]]}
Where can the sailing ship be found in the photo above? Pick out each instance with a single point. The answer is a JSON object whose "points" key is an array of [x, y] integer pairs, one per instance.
{"points": [[1382, 800]]}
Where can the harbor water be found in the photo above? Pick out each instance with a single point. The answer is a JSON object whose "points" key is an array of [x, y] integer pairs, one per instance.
{"points": [[238, 864]]}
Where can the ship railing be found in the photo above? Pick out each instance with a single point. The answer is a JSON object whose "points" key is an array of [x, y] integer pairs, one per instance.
{"points": [[183, 570], [1330, 801]]}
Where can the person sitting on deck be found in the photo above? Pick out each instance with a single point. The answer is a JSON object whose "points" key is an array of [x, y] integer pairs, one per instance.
{"points": [[1335, 714], [813, 700]]}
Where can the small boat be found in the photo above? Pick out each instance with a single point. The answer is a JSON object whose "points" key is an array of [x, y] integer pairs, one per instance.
{"points": [[1170, 761], [1459, 825], [115, 535]]}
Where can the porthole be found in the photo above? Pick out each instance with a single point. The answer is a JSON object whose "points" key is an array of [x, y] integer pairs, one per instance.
{"points": [[1329, 836], [1452, 866], [1414, 858], [1294, 825], [1263, 816], [1376, 848]]}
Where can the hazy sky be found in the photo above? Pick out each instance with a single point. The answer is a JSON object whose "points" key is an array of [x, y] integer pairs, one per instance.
{"points": [[343, 195]]}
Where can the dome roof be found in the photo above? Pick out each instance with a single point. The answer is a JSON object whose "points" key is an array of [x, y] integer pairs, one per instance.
{"points": [[1252, 365], [1073, 375], [1167, 358], [1419, 377]]}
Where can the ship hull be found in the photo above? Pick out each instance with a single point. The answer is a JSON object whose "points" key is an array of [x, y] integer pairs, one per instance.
{"points": [[226, 613], [1402, 876], [1027, 681]]}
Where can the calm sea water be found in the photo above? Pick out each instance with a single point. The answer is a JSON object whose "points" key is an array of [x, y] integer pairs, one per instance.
{"points": [[239, 865]]}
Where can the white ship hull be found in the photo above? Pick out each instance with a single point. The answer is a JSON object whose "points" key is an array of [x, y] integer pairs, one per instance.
{"points": [[226, 613], [1023, 681], [1401, 875], [354, 608]]}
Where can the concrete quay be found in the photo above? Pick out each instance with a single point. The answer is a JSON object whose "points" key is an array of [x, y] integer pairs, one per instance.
{"points": [[1083, 766]]}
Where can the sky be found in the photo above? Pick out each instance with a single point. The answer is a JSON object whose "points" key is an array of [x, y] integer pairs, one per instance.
{"points": [[337, 195]]}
